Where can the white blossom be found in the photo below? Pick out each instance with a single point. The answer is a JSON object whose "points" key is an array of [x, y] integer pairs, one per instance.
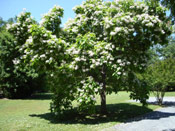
{"points": [[150, 24], [16, 61], [8, 26], [119, 61], [77, 59], [83, 81], [42, 56], [91, 53], [162, 31], [76, 67], [96, 90], [51, 75], [47, 61], [80, 100], [119, 73], [113, 33], [75, 30]]}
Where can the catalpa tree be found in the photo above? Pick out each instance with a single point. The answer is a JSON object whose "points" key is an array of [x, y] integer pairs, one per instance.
{"points": [[98, 51], [109, 41]]}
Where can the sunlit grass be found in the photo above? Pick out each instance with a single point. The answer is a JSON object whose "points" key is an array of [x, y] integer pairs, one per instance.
{"points": [[33, 114], [167, 94]]}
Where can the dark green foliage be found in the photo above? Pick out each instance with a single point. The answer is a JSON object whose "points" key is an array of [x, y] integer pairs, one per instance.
{"points": [[15, 83], [139, 88], [2, 23], [162, 51], [159, 74], [170, 4], [169, 50]]}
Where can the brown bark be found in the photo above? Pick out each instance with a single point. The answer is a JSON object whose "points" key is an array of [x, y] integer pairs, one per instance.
{"points": [[103, 92]]}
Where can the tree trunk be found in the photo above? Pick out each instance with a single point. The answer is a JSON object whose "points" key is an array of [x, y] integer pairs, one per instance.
{"points": [[103, 92]]}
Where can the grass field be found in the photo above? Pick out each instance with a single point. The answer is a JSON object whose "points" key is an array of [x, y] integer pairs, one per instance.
{"points": [[167, 94], [33, 114]]}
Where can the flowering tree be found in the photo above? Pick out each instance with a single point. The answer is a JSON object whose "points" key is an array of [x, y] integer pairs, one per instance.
{"points": [[38, 43], [17, 81], [52, 20], [120, 34], [100, 50]]}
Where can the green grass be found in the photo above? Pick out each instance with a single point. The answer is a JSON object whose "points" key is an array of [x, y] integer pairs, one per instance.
{"points": [[170, 94], [33, 114], [167, 94]]}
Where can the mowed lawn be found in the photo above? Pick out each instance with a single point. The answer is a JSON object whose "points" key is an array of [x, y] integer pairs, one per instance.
{"points": [[33, 114]]}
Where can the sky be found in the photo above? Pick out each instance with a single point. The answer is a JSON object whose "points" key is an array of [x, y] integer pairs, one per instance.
{"points": [[11, 8]]}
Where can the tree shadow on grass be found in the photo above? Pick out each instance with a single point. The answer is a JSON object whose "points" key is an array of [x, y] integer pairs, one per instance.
{"points": [[40, 96], [165, 103], [155, 115], [169, 130], [116, 113]]}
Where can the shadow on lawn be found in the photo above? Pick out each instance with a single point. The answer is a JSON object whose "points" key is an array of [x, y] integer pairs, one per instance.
{"points": [[40, 96], [116, 112], [155, 115], [165, 103]]}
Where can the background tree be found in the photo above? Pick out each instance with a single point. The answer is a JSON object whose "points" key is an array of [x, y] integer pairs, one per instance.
{"points": [[170, 4], [16, 81], [2, 23], [159, 76], [35, 40], [157, 70], [168, 51], [11, 81]]}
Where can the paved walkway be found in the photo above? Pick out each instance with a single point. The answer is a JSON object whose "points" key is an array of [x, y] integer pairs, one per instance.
{"points": [[162, 119]]}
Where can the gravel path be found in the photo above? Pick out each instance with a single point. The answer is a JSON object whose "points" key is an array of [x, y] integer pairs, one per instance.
{"points": [[162, 119]]}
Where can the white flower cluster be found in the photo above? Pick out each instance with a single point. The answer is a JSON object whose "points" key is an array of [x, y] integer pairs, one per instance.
{"points": [[116, 30], [16, 61], [8, 26], [85, 60], [84, 19], [42, 48], [21, 28], [123, 22], [120, 23], [54, 14], [120, 66], [21, 14], [135, 5], [140, 6], [88, 89], [148, 20], [68, 24]]}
